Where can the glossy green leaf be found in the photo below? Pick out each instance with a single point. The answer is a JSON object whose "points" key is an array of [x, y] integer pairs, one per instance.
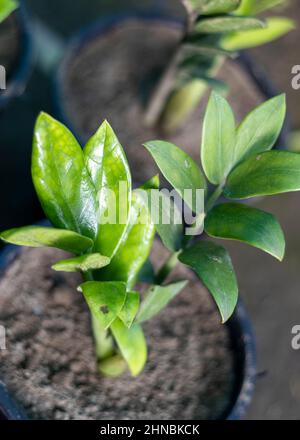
{"points": [[152, 183], [249, 225], [213, 265], [275, 28], [180, 170], [82, 263], [39, 236], [6, 8], [254, 7], [107, 165], [264, 174], [157, 298], [218, 139], [130, 308], [224, 24], [210, 7], [132, 345], [261, 128], [105, 299], [61, 179], [135, 247]]}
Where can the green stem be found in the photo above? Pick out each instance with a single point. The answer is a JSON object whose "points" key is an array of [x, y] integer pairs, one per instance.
{"points": [[167, 268], [172, 261], [103, 340], [213, 198]]}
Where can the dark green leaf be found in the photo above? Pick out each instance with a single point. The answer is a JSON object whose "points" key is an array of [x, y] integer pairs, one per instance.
{"points": [[39, 236], [135, 247], [82, 263], [157, 298], [249, 225], [132, 345], [261, 128], [218, 139], [275, 28], [61, 179], [105, 299], [213, 265], [167, 218], [180, 170], [224, 24], [107, 165], [269, 173], [130, 308]]}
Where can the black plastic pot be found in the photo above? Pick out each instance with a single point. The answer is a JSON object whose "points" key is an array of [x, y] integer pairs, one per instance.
{"points": [[19, 78], [242, 341]]}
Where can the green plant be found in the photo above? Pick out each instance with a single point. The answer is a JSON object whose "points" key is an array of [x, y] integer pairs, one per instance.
{"points": [[215, 30], [72, 185], [6, 8]]}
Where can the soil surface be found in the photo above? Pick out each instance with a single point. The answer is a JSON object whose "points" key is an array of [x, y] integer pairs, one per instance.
{"points": [[49, 363], [109, 79], [9, 44]]}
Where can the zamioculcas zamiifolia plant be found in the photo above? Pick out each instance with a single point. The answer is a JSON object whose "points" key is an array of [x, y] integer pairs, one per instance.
{"points": [[78, 190], [6, 8], [215, 29]]}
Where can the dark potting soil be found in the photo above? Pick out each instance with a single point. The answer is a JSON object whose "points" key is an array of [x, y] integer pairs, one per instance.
{"points": [[109, 77], [9, 44], [49, 364]]}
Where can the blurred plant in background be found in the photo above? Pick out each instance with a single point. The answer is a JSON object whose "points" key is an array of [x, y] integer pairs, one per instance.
{"points": [[216, 29]]}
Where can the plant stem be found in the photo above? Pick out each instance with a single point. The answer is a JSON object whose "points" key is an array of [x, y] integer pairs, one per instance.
{"points": [[167, 268], [172, 261], [103, 340], [214, 197]]}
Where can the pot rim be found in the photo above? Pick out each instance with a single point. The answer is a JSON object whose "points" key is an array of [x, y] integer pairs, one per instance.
{"points": [[19, 78], [242, 342]]}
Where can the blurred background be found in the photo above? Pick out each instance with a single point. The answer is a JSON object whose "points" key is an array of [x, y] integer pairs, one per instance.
{"points": [[270, 290]]}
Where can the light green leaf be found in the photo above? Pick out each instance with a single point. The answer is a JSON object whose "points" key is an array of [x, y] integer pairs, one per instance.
{"points": [[132, 345], [105, 299], [60, 177], [182, 103], [152, 183], [255, 7], [211, 7], [39, 236], [224, 24], [275, 28], [218, 139], [249, 225], [130, 308], [135, 247], [113, 366], [180, 170], [213, 265], [261, 128], [82, 263], [269, 173], [107, 165], [157, 298], [6, 8]]}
